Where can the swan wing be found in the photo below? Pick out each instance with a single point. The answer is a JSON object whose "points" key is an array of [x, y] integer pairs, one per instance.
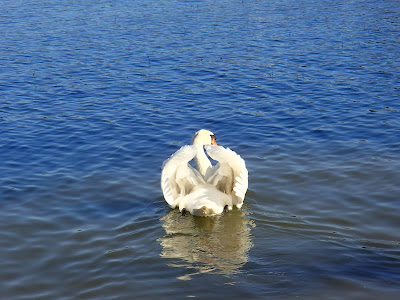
{"points": [[178, 178], [230, 175]]}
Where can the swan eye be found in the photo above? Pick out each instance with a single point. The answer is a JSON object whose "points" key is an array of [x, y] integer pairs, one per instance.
{"points": [[213, 137]]}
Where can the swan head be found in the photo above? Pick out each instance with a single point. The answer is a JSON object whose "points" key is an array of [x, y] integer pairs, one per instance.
{"points": [[204, 137]]}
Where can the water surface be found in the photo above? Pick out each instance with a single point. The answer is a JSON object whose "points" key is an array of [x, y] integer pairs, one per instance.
{"points": [[95, 95]]}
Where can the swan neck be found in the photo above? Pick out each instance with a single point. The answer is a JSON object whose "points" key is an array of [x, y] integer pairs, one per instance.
{"points": [[201, 159]]}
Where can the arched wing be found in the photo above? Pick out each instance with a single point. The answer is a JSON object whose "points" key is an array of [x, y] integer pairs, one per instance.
{"points": [[178, 177], [230, 175]]}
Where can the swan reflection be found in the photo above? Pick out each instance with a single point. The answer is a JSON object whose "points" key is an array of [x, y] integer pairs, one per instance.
{"points": [[213, 244]]}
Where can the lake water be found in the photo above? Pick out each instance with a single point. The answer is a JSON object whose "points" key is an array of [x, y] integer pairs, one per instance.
{"points": [[95, 95]]}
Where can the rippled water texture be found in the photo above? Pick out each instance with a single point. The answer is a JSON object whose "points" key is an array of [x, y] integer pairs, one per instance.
{"points": [[94, 95]]}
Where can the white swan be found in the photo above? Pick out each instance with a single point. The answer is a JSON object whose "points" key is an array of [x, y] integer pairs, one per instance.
{"points": [[210, 190]]}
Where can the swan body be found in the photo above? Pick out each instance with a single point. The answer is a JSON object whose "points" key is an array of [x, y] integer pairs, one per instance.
{"points": [[209, 190]]}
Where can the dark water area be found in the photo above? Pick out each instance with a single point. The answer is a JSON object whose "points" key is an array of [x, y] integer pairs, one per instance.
{"points": [[95, 95]]}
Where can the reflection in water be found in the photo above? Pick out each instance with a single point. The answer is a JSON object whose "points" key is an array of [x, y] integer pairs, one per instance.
{"points": [[207, 244]]}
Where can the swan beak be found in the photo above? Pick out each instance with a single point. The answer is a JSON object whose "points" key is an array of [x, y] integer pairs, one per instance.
{"points": [[214, 141]]}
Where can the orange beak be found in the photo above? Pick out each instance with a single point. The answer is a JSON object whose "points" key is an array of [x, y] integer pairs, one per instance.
{"points": [[214, 141]]}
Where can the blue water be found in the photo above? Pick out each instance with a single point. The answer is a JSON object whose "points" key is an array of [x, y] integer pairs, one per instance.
{"points": [[95, 95]]}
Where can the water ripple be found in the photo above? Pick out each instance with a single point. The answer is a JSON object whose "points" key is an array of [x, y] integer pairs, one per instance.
{"points": [[94, 97]]}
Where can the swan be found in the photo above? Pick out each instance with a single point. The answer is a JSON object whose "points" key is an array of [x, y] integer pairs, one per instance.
{"points": [[209, 190]]}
